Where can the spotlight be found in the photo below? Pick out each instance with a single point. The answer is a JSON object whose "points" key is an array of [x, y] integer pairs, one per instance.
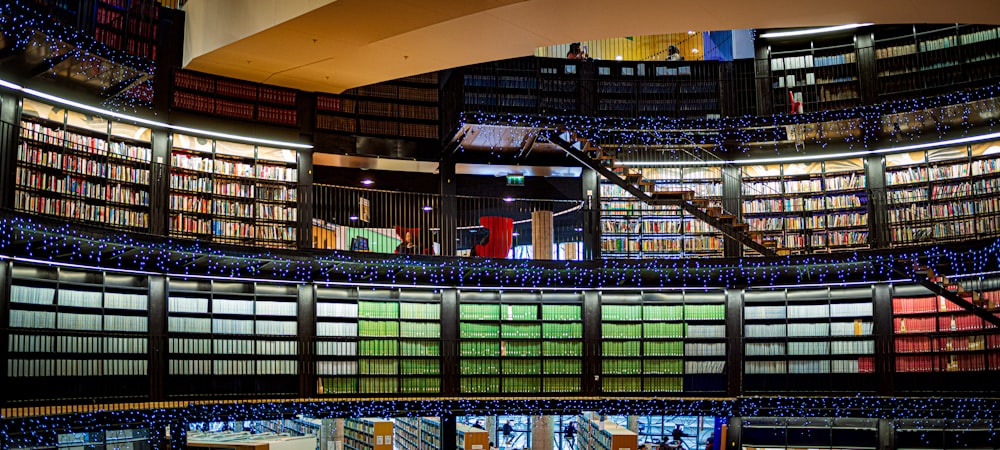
{"points": [[368, 182]]}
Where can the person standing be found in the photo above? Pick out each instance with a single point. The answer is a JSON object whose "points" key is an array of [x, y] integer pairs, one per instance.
{"points": [[576, 52], [508, 432]]}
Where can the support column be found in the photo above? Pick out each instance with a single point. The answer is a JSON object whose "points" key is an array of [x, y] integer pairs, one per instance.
{"points": [[307, 331], [734, 342], [541, 433], [591, 343], [732, 203], [886, 435], [305, 199], [734, 433], [338, 434], [157, 336], [762, 78], [159, 187], [590, 180], [9, 123], [491, 429], [449, 431], [448, 212], [449, 341], [884, 349], [878, 217], [541, 234], [4, 320]]}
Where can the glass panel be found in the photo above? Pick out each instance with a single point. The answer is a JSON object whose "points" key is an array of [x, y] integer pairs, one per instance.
{"points": [[275, 154], [129, 131], [947, 153], [200, 144], [87, 122], [234, 149], [41, 110], [904, 159], [845, 165]]}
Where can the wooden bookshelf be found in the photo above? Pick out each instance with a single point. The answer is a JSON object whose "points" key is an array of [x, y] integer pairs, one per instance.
{"points": [[233, 193], [808, 339], [234, 99], [368, 434], [245, 333], [662, 342], [82, 168], [129, 26], [821, 76], [423, 433], [378, 342], [595, 434], [631, 228], [520, 343], [408, 107], [77, 324]]}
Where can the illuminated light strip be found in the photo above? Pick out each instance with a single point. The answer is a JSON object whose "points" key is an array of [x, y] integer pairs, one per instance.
{"points": [[849, 26], [148, 122], [743, 162]]}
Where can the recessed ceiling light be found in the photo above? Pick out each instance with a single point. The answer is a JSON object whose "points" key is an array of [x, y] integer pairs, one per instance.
{"points": [[368, 182], [618, 57]]}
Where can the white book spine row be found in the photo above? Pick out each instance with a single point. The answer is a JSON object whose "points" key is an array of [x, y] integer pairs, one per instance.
{"points": [[232, 326], [190, 367], [268, 308], [116, 300], [336, 348], [809, 329], [809, 366], [84, 299], [233, 367], [272, 367], [32, 319], [765, 367], [32, 295], [851, 329], [765, 349], [189, 325], [125, 367], [187, 305], [277, 348], [126, 323], [851, 309], [277, 328], [764, 331], [704, 349], [844, 366], [19, 368], [232, 347], [808, 311], [764, 312], [704, 366], [809, 348], [125, 345], [190, 346], [706, 331], [852, 347], [72, 321], [326, 329], [223, 306], [20, 343], [336, 367]]}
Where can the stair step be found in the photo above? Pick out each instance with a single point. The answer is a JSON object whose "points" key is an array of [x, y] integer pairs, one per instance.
{"points": [[700, 202], [672, 195], [713, 211], [727, 218], [741, 226]]}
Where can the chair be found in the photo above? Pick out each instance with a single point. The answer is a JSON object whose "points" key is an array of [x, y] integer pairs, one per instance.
{"points": [[501, 237]]}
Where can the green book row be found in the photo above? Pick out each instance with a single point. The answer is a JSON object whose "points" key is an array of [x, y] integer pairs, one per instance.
{"points": [[479, 385], [621, 384], [654, 330], [329, 385], [420, 367], [475, 311], [562, 366], [662, 330], [378, 310], [621, 330], [419, 348], [621, 366], [522, 367], [415, 385], [641, 384], [561, 384], [663, 312], [367, 366], [378, 385], [378, 347], [664, 348], [472, 330], [558, 348], [562, 330], [561, 312], [420, 329], [663, 384], [521, 331], [663, 366], [628, 348], [479, 366], [480, 348], [427, 311], [522, 385], [520, 348], [378, 328], [643, 366]]}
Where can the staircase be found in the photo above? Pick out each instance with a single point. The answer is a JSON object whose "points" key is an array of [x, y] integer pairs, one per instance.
{"points": [[941, 286], [604, 163]]}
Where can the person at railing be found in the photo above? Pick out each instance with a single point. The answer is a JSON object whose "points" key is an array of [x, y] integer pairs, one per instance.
{"points": [[674, 54], [407, 247], [576, 52]]}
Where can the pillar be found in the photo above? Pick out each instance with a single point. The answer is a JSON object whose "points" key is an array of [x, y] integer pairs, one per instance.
{"points": [[541, 433], [338, 433], [633, 423], [541, 234], [491, 429]]}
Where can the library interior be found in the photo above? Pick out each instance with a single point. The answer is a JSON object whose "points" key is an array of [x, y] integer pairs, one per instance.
{"points": [[522, 225]]}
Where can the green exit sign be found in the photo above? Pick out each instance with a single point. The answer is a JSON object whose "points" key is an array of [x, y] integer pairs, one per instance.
{"points": [[515, 180]]}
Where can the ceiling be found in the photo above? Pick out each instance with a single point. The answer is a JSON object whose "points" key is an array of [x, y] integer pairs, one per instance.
{"points": [[330, 46]]}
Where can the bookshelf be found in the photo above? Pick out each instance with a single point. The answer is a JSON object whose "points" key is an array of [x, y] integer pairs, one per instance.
{"points": [[520, 343], [596, 434], [82, 168], [123, 439], [933, 335], [234, 99], [919, 59], [378, 342], [943, 194], [513, 86], [88, 325], [368, 434], [424, 433], [631, 228], [558, 87], [129, 26], [808, 207], [407, 107], [809, 339], [663, 342], [230, 336], [233, 193], [662, 88], [821, 78]]}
